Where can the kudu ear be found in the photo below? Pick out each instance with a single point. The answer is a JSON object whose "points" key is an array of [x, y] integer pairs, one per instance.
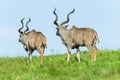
{"points": [[66, 26]]}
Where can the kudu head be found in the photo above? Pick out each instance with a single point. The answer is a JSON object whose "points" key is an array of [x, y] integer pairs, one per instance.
{"points": [[23, 34], [61, 26]]}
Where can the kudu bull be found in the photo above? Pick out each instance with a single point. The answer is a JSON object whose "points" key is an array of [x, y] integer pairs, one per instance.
{"points": [[32, 40], [75, 37]]}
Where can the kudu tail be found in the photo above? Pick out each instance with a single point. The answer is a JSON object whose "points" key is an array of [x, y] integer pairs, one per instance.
{"points": [[44, 42], [97, 38]]}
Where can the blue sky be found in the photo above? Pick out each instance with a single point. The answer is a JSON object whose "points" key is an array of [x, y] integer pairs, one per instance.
{"points": [[101, 15]]}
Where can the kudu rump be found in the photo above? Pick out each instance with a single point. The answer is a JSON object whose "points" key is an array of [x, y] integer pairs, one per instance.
{"points": [[75, 37], [32, 40]]}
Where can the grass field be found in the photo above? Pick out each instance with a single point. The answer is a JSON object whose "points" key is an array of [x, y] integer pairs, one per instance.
{"points": [[55, 67]]}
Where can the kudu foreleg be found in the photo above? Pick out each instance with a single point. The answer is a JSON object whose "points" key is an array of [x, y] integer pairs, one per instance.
{"points": [[69, 53], [30, 55], [78, 54]]}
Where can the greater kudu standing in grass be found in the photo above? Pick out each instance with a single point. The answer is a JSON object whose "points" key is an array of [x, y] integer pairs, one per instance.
{"points": [[75, 37], [32, 40]]}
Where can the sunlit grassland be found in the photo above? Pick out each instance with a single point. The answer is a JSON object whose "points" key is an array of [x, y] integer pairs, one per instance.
{"points": [[55, 67]]}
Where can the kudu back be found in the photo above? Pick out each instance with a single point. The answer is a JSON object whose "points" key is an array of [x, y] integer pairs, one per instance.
{"points": [[75, 37], [32, 40]]}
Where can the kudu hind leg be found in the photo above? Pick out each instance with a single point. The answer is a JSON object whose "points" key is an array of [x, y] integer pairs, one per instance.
{"points": [[92, 52], [41, 52], [96, 49]]}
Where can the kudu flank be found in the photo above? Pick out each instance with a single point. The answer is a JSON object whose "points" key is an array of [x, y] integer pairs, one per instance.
{"points": [[75, 37], [32, 40]]}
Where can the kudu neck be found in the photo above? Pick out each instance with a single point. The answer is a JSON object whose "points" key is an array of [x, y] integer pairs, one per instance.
{"points": [[64, 33]]}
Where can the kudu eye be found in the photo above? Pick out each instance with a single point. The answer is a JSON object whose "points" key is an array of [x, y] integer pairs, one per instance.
{"points": [[20, 35], [57, 28]]}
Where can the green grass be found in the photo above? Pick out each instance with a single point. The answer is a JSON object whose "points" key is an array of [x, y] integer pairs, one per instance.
{"points": [[55, 67]]}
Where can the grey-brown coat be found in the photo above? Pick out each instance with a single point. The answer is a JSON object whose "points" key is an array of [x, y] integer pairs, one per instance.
{"points": [[32, 40], [75, 37]]}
